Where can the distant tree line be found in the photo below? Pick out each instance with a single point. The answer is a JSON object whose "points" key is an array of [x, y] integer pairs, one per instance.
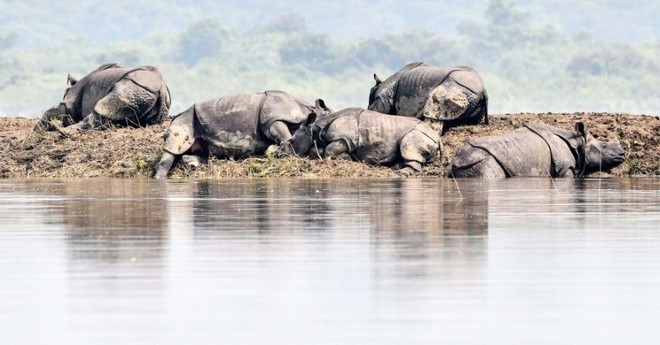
{"points": [[526, 66]]}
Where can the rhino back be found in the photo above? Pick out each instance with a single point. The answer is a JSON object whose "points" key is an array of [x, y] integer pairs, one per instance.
{"points": [[149, 78], [414, 87], [372, 137], [469, 78], [97, 85], [380, 136], [561, 144], [385, 93], [280, 106], [341, 125], [391, 83], [229, 125], [521, 152]]}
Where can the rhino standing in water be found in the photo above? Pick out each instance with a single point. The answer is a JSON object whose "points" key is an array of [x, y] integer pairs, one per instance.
{"points": [[235, 126], [536, 149], [370, 137], [111, 94], [442, 96]]}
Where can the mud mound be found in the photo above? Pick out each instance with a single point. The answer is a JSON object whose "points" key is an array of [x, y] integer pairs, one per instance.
{"points": [[133, 152]]}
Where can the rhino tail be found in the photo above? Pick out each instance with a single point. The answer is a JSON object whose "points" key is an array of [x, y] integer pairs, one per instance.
{"points": [[485, 106]]}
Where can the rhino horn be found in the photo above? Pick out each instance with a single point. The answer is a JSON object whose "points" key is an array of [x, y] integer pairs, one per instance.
{"points": [[378, 81], [70, 80]]}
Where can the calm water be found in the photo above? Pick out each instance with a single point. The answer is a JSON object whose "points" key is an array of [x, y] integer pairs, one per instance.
{"points": [[520, 261]]}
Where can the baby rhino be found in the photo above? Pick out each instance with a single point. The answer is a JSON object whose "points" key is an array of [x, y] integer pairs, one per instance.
{"points": [[536, 149], [370, 137]]}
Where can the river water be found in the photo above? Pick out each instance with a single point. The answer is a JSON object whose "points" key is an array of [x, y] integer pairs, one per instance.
{"points": [[415, 261]]}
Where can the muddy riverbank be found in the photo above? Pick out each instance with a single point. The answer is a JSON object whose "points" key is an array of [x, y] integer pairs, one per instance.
{"points": [[133, 152]]}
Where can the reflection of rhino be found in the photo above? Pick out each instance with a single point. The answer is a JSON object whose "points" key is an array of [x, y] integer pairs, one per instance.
{"points": [[400, 208], [235, 126], [111, 221], [451, 95], [112, 94], [536, 150], [371, 137], [261, 205]]}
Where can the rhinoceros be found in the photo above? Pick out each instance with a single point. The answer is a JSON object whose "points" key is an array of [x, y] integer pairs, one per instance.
{"points": [[111, 94], [442, 96], [537, 149], [370, 137], [235, 126]]}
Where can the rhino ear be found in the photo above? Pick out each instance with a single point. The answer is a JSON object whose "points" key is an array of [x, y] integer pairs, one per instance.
{"points": [[70, 80], [580, 128], [378, 81], [320, 104], [311, 118]]}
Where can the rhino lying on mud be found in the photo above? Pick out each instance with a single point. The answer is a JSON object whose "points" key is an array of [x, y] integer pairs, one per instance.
{"points": [[370, 137], [112, 94], [235, 126], [536, 149], [443, 96]]}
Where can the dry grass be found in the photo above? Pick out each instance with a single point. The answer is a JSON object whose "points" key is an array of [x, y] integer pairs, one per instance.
{"points": [[133, 152]]}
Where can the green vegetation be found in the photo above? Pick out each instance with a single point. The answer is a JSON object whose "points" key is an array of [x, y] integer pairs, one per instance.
{"points": [[533, 56]]}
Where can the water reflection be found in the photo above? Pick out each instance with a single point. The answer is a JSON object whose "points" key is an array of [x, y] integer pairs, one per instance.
{"points": [[329, 261], [394, 207], [111, 220], [261, 206]]}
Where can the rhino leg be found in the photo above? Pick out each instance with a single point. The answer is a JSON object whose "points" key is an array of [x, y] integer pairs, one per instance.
{"points": [[417, 148], [126, 104], [337, 149], [164, 165], [448, 101], [409, 168], [191, 161], [279, 132], [475, 162], [92, 121]]}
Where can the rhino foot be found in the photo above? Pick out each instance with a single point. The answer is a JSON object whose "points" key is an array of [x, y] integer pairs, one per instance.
{"points": [[409, 168], [44, 126], [274, 150], [407, 172], [191, 161]]}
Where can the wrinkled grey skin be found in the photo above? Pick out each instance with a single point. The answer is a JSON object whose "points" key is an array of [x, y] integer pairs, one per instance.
{"points": [[442, 96], [235, 126], [370, 137], [536, 149], [111, 94]]}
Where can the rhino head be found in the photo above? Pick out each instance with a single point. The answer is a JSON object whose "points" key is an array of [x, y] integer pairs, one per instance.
{"points": [[598, 155], [381, 96], [302, 142], [62, 111]]}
